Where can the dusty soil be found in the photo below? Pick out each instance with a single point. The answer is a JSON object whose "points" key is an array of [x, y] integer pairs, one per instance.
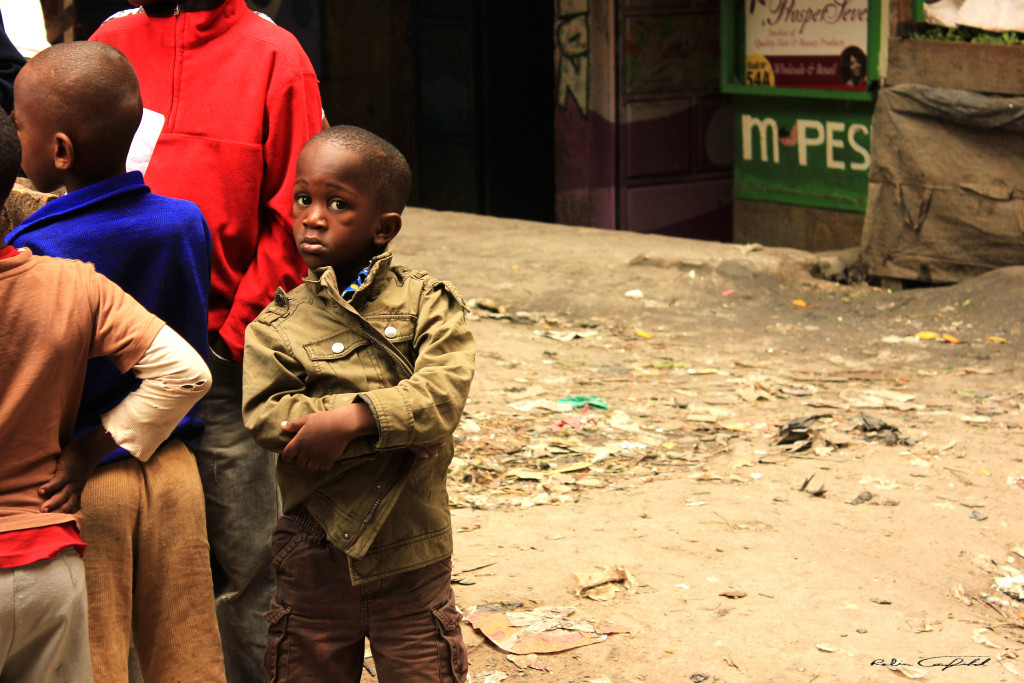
{"points": [[757, 549]]}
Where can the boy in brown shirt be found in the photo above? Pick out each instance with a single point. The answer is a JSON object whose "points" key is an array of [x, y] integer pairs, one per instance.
{"points": [[56, 315]]}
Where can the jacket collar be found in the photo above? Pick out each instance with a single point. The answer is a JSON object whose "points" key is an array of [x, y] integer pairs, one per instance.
{"points": [[80, 200], [325, 282]]}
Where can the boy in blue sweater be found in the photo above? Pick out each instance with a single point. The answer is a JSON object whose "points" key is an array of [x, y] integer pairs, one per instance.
{"points": [[147, 568]]}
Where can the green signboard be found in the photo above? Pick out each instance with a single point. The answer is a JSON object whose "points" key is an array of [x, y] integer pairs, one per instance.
{"points": [[803, 75], [811, 152]]}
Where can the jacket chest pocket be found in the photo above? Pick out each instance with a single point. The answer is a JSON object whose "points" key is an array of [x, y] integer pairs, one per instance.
{"points": [[339, 356], [397, 329]]}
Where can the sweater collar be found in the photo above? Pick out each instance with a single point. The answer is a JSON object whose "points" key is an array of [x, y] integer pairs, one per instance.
{"points": [[325, 280], [82, 199], [202, 26]]}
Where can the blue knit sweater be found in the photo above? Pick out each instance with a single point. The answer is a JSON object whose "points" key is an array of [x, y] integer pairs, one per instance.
{"points": [[156, 248]]}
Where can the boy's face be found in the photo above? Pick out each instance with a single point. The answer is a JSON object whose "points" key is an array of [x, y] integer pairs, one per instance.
{"points": [[36, 133], [337, 219]]}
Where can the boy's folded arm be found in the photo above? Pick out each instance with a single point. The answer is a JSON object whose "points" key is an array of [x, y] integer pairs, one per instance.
{"points": [[426, 408], [274, 389]]}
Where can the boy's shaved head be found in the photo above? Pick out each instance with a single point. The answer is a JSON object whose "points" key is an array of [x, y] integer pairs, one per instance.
{"points": [[386, 165], [10, 156], [89, 91]]}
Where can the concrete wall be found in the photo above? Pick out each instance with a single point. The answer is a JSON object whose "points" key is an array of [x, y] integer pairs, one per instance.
{"points": [[799, 227]]}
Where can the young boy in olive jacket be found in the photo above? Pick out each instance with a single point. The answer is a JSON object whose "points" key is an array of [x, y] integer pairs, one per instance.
{"points": [[358, 378]]}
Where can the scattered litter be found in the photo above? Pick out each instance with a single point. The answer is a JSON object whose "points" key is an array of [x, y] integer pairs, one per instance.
{"points": [[896, 339], [884, 484], [799, 302], [735, 595], [487, 305], [824, 647], [891, 395], [820, 493], [643, 334], [567, 335], [908, 671], [862, 497], [493, 677], [540, 404], [960, 594], [463, 578], [634, 294], [876, 429], [541, 630], [530, 661], [604, 584], [796, 430], [584, 401], [981, 639]]}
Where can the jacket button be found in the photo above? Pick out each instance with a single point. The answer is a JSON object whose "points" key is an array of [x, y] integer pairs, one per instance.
{"points": [[380, 486], [346, 534], [390, 332], [338, 347]]}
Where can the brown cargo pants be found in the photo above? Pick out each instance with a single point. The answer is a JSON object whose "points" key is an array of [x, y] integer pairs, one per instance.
{"points": [[319, 620]]}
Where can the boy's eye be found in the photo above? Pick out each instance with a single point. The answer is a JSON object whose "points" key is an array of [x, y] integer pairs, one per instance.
{"points": [[302, 200], [336, 204]]}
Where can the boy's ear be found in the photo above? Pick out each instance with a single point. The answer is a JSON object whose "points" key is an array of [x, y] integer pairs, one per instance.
{"points": [[63, 152], [388, 227]]}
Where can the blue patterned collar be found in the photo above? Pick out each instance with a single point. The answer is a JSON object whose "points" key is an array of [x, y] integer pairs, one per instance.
{"points": [[356, 284]]}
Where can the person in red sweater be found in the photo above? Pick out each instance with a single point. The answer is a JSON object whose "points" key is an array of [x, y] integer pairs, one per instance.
{"points": [[230, 99]]}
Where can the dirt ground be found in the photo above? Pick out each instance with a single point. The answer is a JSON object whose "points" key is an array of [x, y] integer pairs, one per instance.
{"points": [[786, 477]]}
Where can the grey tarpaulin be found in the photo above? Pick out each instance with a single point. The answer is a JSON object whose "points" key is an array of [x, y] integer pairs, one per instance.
{"points": [[946, 185]]}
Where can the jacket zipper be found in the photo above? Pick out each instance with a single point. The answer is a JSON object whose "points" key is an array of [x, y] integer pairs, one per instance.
{"points": [[403, 366], [172, 110]]}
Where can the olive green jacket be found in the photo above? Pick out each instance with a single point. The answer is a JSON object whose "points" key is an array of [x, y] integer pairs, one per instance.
{"points": [[401, 346]]}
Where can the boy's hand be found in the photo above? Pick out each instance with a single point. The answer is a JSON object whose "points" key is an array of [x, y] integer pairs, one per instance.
{"points": [[63, 493], [321, 438], [426, 452]]}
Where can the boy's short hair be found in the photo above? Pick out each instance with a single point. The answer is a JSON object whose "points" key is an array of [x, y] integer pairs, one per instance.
{"points": [[93, 95], [387, 166], [10, 155]]}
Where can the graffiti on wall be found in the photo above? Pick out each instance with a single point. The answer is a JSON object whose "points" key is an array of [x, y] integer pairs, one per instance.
{"points": [[572, 51]]}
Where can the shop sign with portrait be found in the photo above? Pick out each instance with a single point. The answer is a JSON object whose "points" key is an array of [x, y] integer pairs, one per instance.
{"points": [[807, 43]]}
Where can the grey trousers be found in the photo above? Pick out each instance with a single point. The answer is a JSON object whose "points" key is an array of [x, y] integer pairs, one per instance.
{"points": [[44, 622], [242, 508]]}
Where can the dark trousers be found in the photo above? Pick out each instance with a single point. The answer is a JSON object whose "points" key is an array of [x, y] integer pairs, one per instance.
{"points": [[318, 619]]}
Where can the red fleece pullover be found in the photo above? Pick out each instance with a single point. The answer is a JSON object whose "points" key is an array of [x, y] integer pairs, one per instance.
{"points": [[239, 98]]}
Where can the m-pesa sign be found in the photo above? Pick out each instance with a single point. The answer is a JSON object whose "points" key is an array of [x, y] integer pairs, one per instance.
{"points": [[803, 151], [807, 43], [806, 135]]}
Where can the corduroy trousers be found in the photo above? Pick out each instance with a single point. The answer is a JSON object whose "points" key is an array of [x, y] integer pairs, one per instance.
{"points": [[147, 568]]}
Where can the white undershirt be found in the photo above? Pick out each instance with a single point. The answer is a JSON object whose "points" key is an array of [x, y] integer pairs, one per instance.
{"points": [[174, 377]]}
